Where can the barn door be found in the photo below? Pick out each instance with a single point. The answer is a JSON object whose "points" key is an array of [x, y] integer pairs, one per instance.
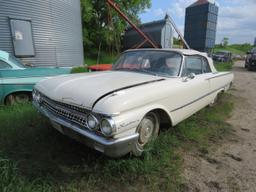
{"points": [[22, 38]]}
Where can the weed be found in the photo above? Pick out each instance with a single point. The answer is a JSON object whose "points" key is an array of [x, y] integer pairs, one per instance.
{"points": [[35, 157], [226, 66]]}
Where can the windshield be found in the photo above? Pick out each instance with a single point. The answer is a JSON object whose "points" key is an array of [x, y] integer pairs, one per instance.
{"points": [[162, 63], [16, 61]]}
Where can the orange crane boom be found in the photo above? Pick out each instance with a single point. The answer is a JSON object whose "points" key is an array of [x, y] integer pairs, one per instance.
{"points": [[115, 7]]}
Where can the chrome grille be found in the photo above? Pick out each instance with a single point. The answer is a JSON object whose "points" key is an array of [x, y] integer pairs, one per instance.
{"points": [[68, 112]]}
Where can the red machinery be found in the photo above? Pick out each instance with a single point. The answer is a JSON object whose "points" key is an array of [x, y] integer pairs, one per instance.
{"points": [[100, 67]]}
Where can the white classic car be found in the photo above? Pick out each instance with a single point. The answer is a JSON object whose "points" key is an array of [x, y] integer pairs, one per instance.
{"points": [[119, 111]]}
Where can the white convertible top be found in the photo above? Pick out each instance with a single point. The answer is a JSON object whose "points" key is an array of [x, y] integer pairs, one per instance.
{"points": [[182, 51]]}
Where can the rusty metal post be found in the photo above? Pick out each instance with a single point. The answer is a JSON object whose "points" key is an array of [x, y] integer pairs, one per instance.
{"points": [[115, 6]]}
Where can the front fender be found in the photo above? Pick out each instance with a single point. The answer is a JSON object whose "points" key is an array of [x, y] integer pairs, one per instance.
{"points": [[9, 89], [127, 122]]}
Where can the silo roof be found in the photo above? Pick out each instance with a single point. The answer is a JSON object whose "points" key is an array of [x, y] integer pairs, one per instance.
{"points": [[199, 2]]}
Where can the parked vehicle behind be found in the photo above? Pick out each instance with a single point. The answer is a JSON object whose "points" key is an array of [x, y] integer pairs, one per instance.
{"points": [[120, 111], [17, 80], [222, 56], [250, 61]]}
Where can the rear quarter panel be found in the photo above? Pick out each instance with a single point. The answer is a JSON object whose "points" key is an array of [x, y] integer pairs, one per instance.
{"points": [[221, 80]]}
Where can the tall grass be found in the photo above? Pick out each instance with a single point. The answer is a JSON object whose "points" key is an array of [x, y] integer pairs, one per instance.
{"points": [[239, 49], [223, 66], [35, 157]]}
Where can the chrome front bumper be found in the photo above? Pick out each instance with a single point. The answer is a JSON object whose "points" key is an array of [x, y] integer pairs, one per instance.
{"points": [[110, 147]]}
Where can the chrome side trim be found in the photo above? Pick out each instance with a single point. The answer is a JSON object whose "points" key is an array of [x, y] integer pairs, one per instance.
{"points": [[33, 76], [190, 103], [18, 84], [228, 73]]}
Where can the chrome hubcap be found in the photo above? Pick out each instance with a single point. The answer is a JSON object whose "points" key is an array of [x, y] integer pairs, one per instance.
{"points": [[146, 130]]}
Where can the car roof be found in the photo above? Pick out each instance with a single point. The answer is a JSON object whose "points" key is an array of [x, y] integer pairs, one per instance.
{"points": [[4, 55], [182, 51]]}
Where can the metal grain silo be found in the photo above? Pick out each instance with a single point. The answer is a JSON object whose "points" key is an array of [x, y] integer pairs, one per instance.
{"points": [[200, 25], [160, 32], [42, 32]]}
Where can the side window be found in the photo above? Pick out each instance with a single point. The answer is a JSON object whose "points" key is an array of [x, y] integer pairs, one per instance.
{"points": [[4, 65], [193, 64], [206, 67]]}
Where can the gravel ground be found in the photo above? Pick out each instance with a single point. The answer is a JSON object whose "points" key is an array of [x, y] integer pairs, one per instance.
{"points": [[232, 165]]}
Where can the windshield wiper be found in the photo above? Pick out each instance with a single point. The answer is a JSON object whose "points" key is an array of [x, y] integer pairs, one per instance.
{"points": [[126, 69], [148, 72], [142, 71]]}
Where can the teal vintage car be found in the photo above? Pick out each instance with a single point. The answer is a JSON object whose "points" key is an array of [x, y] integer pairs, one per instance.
{"points": [[17, 80]]}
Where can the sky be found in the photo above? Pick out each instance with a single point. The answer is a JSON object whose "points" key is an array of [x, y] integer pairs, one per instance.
{"points": [[236, 20]]}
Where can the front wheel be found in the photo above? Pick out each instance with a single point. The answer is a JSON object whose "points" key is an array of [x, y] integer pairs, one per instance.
{"points": [[148, 130], [17, 98]]}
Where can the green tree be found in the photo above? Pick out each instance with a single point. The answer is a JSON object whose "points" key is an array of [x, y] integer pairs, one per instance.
{"points": [[102, 26], [87, 14], [225, 41]]}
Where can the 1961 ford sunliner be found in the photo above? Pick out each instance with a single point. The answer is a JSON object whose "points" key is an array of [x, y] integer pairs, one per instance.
{"points": [[120, 111], [17, 80]]}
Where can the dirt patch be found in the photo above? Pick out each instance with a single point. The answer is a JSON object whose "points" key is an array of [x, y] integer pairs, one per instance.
{"points": [[232, 166]]}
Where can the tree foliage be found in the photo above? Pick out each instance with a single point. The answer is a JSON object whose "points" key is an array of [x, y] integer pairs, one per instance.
{"points": [[225, 41], [102, 26]]}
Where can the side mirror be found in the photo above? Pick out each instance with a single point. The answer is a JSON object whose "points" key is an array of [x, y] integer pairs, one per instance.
{"points": [[189, 76]]}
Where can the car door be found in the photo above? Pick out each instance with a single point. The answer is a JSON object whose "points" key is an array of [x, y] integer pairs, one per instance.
{"points": [[3, 67], [194, 87]]}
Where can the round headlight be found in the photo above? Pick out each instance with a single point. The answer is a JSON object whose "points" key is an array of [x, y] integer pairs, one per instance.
{"points": [[92, 122], [34, 93], [107, 127], [36, 96]]}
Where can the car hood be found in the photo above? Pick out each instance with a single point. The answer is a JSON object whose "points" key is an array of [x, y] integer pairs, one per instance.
{"points": [[85, 89]]}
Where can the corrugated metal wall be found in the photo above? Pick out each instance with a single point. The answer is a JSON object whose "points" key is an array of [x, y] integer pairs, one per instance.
{"points": [[56, 30], [200, 26]]}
